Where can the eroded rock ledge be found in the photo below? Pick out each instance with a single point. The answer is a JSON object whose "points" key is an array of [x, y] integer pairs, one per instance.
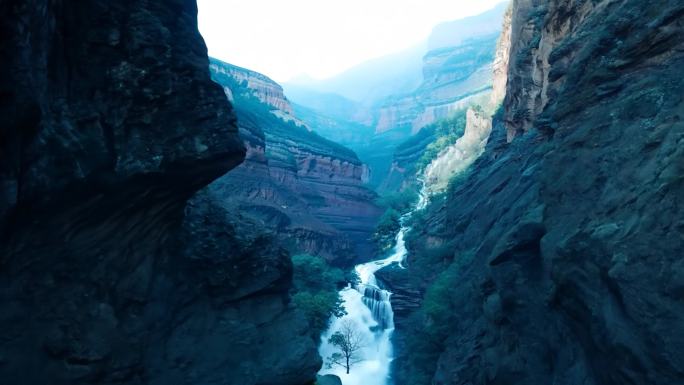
{"points": [[111, 124]]}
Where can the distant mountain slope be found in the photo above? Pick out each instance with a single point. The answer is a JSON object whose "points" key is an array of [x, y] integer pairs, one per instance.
{"points": [[373, 80], [347, 133], [330, 104], [453, 33], [399, 73], [450, 75]]}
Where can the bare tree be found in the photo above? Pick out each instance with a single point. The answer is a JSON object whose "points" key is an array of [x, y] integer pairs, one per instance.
{"points": [[349, 341]]}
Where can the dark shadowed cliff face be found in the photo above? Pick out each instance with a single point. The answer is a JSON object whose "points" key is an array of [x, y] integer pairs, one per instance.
{"points": [[98, 94], [110, 124], [559, 259]]}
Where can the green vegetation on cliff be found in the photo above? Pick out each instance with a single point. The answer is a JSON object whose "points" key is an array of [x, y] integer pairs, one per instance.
{"points": [[249, 107], [395, 205], [417, 152], [444, 133], [315, 291], [388, 226]]}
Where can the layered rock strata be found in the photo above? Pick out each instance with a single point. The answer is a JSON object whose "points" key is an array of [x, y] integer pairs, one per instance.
{"points": [[309, 191], [563, 246], [451, 77], [107, 274]]}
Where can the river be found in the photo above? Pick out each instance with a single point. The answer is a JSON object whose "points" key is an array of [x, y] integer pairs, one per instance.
{"points": [[368, 307]]}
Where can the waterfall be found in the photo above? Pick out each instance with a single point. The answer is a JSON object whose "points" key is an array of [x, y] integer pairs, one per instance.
{"points": [[377, 301], [368, 307]]}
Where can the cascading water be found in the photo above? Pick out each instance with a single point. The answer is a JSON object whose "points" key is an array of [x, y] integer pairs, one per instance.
{"points": [[369, 309]]}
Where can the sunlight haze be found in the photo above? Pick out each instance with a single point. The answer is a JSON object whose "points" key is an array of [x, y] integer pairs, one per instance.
{"points": [[319, 39]]}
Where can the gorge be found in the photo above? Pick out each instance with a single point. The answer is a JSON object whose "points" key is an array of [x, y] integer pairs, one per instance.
{"points": [[499, 203]]}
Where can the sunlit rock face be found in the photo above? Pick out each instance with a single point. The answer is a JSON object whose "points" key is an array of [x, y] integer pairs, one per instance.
{"points": [[502, 59], [265, 89], [457, 158], [544, 50], [307, 190], [456, 67], [108, 274], [565, 240], [454, 78]]}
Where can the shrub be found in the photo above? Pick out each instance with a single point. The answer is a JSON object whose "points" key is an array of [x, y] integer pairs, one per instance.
{"points": [[387, 228], [318, 308], [401, 201], [315, 291], [520, 114], [446, 133], [389, 223], [312, 273]]}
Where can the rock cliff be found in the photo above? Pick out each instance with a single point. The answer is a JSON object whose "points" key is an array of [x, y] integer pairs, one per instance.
{"points": [[502, 59], [457, 71], [309, 191], [402, 173], [265, 89], [458, 157], [107, 273], [558, 259]]}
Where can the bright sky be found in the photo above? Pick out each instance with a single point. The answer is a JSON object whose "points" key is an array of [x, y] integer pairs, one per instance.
{"points": [[320, 38]]}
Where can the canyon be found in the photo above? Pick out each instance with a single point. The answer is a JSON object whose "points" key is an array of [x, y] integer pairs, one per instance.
{"points": [[171, 218], [450, 71]]}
